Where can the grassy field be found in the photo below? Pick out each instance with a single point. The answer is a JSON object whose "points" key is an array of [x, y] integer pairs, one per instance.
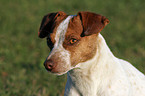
{"points": [[22, 53]]}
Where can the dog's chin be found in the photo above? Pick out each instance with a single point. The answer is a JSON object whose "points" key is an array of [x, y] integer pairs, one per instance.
{"points": [[62, 73], [58, 73]]}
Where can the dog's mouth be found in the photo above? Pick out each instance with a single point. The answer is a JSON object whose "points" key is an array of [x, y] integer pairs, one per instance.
{"points": [[56, 72]]}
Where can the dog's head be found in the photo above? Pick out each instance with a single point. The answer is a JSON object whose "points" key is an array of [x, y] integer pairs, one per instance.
{"points": [[72, 39]]}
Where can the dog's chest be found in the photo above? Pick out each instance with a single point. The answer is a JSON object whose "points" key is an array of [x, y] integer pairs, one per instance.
{"points": [[81, 84]]}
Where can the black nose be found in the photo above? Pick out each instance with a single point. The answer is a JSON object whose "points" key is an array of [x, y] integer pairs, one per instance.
{"points": [[49, 64]]}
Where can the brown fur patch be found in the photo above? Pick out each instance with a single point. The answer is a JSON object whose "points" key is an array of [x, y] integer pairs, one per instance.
{"points": [[49, 26], [84, 50], [85, 47], [84, 28], [50, 22]]}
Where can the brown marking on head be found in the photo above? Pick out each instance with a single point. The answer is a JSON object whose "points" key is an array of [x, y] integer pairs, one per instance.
{"points": [[50, 22], [84, 29]]}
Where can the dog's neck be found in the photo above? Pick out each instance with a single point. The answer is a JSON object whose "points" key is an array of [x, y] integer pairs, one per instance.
{"points": [[100, 68]]}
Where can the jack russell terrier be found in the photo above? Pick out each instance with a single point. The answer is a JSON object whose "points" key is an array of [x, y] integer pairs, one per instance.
{"points": [[78, 49]]}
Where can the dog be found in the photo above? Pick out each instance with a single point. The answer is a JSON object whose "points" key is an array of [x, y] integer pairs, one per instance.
{"points": [[78, 49]]}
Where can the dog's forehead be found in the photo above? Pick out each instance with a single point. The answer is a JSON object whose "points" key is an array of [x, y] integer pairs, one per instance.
{"points": [[70, 26], [62, 29], [55, 26], [74, 26]]}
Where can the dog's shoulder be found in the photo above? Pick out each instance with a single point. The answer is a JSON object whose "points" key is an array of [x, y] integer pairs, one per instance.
{"points": [[130, 69], [135, 77]]}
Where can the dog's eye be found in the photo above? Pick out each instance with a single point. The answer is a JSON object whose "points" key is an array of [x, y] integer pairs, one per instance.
{"points": [[72, 41], [49, 43]]}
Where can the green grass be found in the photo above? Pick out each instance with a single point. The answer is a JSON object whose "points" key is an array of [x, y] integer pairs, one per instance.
{"points": [[22, 53]]}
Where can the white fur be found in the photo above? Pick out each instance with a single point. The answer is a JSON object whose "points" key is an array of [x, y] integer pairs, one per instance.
{"points": [[105, 75]]}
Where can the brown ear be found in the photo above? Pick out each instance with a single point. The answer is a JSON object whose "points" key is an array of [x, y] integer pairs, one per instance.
{"points": [[48, 22], [92, 23]]}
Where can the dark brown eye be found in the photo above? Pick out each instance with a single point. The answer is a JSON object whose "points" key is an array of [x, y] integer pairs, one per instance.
{"points": [[49, 43], [72, 41]]}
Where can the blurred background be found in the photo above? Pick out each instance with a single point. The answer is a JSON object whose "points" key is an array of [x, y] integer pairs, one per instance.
{"points": [[22, 53]]}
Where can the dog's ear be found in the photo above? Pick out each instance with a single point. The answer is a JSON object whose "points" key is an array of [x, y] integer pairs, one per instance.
{"points": [[92, 23], [48, 22]]}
